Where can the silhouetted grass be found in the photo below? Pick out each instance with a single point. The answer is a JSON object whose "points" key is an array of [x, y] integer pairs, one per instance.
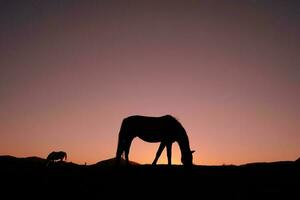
{"points": [[30, 177]]}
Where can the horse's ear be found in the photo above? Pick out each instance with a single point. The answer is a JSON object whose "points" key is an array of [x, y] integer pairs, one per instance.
{"points": [[193, 151]]}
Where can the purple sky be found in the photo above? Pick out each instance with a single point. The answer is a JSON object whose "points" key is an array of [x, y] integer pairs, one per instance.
{"points": [[70, 71]]}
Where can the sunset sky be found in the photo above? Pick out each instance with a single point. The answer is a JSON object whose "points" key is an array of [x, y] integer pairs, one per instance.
{"points": [[229, 71]]}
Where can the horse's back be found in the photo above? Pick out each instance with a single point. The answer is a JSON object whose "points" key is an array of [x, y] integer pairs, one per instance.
{"points": [[147, 122], [152, 129], [148, 119]]}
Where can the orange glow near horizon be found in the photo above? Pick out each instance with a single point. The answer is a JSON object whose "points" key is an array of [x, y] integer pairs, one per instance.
{"points": [[71, 72]]}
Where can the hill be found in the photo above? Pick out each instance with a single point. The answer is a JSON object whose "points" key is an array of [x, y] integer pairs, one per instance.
{"points": [[112, 162], [31, 177]]}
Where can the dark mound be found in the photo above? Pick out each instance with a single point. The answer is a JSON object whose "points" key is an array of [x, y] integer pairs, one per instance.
{"points": [[112, 162]]}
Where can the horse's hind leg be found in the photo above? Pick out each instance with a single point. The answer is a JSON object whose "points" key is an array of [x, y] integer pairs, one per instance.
{"points": [[120, 150], [126, 149], [160, 149]]}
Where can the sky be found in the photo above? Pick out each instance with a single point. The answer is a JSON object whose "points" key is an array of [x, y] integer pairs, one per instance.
{"points": [[229, 71]]}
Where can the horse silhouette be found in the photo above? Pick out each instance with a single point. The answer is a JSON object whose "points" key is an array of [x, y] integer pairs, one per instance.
{"points": [[57, 156], [165, 129]]}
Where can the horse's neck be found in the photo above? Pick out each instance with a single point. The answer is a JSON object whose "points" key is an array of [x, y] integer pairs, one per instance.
{"points": [[184, 145]]}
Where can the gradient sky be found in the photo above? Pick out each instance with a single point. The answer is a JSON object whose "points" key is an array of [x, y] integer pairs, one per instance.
{"points": [[70, 71]]}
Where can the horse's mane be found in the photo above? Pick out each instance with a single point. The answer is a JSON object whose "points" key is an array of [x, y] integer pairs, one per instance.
{"points": [[175, 119]]}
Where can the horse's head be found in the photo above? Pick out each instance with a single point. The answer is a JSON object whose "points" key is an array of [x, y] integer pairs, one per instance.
{"points": [[187, 158]]}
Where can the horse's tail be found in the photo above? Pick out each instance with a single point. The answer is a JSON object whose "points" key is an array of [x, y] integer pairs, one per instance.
{"points": [[120, 148], [66, 156]]}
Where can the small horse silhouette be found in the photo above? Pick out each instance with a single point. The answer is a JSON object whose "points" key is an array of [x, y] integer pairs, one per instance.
{"points": [[57, 156], [165, 129]]}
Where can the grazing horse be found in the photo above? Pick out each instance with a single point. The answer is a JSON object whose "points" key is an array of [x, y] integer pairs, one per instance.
{"points": [[56, 156], [165, 129]]}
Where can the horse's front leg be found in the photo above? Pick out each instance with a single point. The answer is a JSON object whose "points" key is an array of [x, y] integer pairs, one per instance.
{"points": [[127, 148], [169, 153], [160, 149]]}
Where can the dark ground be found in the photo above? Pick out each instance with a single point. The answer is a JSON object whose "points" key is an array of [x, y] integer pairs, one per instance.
{"points": [[30, 178]]}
